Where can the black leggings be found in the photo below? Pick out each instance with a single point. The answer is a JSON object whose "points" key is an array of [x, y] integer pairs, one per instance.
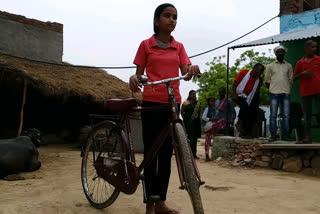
{"points": [[157, 173]]}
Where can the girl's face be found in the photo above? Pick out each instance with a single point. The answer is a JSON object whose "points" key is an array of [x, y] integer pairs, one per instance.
{"points": [[167, 21]]}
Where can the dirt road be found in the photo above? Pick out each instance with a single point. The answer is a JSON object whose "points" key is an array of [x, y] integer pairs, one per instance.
{"points": [[56, 188]]}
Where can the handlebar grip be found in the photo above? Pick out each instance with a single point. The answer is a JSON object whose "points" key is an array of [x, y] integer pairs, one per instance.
{"points": [[143, 79]]}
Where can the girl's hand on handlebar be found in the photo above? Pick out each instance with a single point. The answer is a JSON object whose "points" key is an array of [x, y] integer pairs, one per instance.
{"points": [[193, 71], [134, 84]]}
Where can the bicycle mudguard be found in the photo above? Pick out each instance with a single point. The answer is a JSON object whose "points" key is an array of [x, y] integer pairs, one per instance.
{"points": [[113, 171]]}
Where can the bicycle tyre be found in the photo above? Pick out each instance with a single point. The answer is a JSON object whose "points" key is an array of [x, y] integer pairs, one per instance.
{"points": [[98, 128], [191, 182]]}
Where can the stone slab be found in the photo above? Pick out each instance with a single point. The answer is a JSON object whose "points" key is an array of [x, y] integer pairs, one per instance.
{"points": [[290, 146], [220, 147]]}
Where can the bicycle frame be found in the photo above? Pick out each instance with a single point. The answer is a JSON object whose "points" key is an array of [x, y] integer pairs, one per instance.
{"points": [[127, 144]]}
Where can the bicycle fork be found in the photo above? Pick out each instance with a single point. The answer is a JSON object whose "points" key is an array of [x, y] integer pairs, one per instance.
{"points": [[180, 169]]}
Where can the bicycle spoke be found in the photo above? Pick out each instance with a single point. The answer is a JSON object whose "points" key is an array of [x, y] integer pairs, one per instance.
{"points": [[91, 184], [101, 192], [98, 188], [93, 172], [101, 146]]}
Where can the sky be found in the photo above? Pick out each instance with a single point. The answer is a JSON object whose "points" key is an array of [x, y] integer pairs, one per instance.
{"points": [[108, 33]]}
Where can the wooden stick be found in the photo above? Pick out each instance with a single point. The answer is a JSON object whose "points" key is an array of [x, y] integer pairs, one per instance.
{"points": [[22, 106]]}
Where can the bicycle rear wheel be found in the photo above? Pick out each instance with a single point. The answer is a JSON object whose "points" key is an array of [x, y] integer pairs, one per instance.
{"points": [[103, 144], [191, 182]]}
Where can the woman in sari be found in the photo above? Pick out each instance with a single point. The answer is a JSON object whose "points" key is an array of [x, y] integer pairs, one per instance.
{"points": [[190, 112]]}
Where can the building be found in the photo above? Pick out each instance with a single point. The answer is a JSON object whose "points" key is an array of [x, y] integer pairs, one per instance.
{"points": [[299, 22], [54, 98], [300, 15], [30, 38]]}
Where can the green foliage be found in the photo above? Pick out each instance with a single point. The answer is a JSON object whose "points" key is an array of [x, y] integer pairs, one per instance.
{"points": [[216, 76]]}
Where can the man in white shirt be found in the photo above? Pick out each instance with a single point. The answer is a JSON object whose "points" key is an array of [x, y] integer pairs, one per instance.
{"points": [[278, 79]]}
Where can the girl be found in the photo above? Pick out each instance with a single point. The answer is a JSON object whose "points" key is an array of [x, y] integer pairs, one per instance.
{"points": [[161, 56], [207, 117], [190, 112]]}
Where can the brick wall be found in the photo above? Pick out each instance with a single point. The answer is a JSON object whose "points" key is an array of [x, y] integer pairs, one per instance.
{"points": [[291, 6], [30, 38], [297, 6], [53, 26]]}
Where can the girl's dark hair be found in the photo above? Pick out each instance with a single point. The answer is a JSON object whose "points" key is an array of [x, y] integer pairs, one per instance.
{"points": [[157, 14], [190, 92], [208, 100]]}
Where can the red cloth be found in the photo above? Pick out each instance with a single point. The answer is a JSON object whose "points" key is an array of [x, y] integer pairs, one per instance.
{"points": [[161, 64], [250, 82], [309, 86]]}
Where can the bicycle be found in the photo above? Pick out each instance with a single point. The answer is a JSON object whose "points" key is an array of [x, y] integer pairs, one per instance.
{"points": [[109, 151]]}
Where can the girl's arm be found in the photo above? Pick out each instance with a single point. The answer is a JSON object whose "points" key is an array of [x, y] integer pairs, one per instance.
{"points": [[134, 82]]}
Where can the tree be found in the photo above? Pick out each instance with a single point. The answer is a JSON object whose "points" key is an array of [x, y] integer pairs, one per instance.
{"points": [[216, 76]]}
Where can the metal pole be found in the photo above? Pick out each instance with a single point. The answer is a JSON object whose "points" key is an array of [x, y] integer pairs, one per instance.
{"points": [[227, 93], [228, 73]]}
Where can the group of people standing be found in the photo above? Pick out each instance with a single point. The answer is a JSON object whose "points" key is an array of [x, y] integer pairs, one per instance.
{"points": [[219, 115], [279, 77], [217, 118], [161, 57]]}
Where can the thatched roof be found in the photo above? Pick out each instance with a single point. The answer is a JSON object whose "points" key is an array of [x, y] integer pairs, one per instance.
{"points": [[87, 83]]}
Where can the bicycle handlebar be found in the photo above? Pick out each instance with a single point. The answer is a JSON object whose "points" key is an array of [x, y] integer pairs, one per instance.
{"points": [[144, 79]]}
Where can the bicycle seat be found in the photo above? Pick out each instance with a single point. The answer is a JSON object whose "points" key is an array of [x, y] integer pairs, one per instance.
{"points": [[121, 105]]}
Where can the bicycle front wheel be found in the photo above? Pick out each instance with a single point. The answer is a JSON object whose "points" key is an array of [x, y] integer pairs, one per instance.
{"points": [[191, 182], [102, 144]]}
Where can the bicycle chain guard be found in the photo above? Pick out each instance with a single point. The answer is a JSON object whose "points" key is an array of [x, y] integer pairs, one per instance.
{"points": [[113, 171]]}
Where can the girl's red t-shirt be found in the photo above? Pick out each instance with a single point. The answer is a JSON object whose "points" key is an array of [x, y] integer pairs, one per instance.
{"points": [[309, 86], [161, 64]]}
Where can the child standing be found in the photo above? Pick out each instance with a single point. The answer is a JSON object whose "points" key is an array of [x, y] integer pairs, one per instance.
{"points": [[161, 56], [207, 117]]}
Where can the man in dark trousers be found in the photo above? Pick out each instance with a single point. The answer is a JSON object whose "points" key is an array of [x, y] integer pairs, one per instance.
{"points": [[246, 88], [308, 71]]}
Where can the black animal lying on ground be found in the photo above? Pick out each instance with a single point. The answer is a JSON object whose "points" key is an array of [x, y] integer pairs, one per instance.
{"points": [[19, 155]]}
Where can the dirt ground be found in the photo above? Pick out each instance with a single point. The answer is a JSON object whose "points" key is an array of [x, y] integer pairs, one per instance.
{"points": [[56, 188]]}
